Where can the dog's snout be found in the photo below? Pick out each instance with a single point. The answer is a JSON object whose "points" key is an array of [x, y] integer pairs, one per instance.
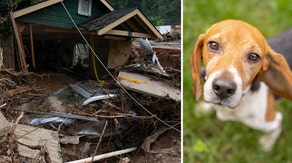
{"points": [[223, 88]]}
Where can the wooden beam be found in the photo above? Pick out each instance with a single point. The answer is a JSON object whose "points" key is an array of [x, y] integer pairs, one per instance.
{"points": [[132, 25], [111, 32], [20, 30], [33, 8], [107, 5], [128, 33], [1, 59], [19, 44], [136, 12], [59, 30], [115, 37], [125, 27], [142, 23], [31, 46]]}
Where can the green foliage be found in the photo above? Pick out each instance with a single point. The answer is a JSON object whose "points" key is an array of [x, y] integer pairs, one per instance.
{"points": [[230, 141], [24, 3], [200, 146], [156, 20], [15, 2], [5, 23], [5, 7], [168, 12]]}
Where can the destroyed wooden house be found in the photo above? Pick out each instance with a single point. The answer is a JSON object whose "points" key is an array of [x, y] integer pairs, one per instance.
{"points": [[48, 38]]}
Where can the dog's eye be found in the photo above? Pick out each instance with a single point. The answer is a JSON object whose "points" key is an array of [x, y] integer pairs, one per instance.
{"points": [[213, 46], [253, 57]]}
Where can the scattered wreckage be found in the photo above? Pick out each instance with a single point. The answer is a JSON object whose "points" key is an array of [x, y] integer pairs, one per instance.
{"points": [[83, 119]]}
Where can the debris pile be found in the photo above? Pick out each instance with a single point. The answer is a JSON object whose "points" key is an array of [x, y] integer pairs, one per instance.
{"points": [[17, 87], [168, 55], [85, 118], [170, 33]]}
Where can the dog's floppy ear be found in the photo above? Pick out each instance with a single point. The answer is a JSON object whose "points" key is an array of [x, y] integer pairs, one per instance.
{"points": [[195, 58], [277, 74]]}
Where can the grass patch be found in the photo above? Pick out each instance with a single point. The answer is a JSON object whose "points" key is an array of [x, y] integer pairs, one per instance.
{"points": [[206, 139]]}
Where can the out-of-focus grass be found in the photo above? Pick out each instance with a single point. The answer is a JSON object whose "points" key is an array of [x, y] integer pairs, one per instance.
{"points": [[206, 139]]}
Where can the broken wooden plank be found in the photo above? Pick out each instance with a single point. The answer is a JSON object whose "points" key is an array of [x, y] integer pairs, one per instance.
{"points": [[31, 46], [4, 124], [12, 92], [143, 84], [166, 48], [119, 53], [1, 58], [19, 44], [127, 33], [34, 136]]}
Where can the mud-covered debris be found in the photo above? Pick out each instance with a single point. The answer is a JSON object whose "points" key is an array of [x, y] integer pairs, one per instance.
{"points": [[128, 124], [148, 86], [44, 120]]}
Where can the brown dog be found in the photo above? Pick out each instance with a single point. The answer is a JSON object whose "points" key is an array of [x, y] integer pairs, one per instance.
{"points": [[239, 64]]}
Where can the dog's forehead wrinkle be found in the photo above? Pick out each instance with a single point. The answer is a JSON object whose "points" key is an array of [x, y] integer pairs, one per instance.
{"points": [[236, 31]]}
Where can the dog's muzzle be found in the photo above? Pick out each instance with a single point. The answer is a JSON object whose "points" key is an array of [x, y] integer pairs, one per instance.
{"points": [[223, 88]]}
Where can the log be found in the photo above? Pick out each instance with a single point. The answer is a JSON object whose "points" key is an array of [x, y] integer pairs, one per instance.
{"points": [[19, 44], [19, 90]]}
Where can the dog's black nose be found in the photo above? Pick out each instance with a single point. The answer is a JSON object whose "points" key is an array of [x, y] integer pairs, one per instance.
{"points": [[223, 88]]}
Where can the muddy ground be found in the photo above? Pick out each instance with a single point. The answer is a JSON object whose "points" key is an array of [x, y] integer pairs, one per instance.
{"points": [[122, 122]]}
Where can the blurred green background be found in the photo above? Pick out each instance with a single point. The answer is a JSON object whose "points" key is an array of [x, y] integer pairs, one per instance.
{"points": [[206, 139]]}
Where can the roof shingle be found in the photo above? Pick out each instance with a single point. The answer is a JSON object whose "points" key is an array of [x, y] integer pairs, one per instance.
{"points": [[105, 20]]}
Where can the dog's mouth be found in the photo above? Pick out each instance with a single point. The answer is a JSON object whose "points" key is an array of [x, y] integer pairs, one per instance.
{"points": [[229, 106], [226, 103]]}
